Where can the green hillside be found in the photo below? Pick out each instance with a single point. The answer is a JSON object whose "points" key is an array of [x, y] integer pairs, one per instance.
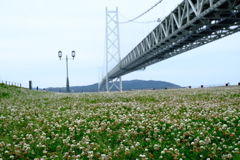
{"points": [[127, 86], [201, 123]]}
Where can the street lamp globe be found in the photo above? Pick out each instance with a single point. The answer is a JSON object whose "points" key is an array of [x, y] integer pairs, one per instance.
{"points": [[60, 54], [73, 54]]}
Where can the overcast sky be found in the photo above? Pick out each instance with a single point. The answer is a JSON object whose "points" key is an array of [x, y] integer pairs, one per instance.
{"points": [[32, 33]]}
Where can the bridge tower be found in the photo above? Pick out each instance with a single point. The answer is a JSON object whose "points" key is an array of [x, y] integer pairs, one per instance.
{"points": [[112, 48]]}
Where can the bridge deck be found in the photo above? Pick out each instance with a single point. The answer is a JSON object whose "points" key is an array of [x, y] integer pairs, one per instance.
{"points": [[192, 24]]}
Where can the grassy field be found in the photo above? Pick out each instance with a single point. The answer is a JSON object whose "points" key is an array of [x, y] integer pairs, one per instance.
{"points": [[176, 124]]}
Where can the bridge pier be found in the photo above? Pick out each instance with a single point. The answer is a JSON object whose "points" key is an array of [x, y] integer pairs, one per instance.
{"points": [[117, 83]]}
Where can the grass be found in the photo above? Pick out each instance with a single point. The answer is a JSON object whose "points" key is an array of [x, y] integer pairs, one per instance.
{"points": [[161, 124]]}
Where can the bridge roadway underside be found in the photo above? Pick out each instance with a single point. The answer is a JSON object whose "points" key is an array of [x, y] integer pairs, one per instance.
{"points": [[192, 24]]}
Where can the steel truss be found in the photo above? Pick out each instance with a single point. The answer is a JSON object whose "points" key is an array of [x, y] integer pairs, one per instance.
{"points": [[192, 24]]}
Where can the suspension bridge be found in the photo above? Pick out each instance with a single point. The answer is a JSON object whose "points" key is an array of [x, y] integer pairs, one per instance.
{"points": [[191, 24]]}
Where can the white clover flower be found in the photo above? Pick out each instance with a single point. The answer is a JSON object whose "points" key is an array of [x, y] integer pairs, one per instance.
{"points": [[202, 147], [137, 144], [142, 156], [224, 126], [201, 142], [229, 156], [207, 140], [156, 146]]}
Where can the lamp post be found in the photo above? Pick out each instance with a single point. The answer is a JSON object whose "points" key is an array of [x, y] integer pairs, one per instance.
{"points": [[60, 56]]}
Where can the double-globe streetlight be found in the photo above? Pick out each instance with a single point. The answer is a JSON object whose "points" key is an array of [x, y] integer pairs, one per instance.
{"points": [[60, 56]]}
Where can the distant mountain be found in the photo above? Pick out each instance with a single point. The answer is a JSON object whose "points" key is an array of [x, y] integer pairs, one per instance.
{"points": [[127, 86]]}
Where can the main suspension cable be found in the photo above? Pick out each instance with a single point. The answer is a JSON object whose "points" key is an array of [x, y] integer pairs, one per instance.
{"points": [[132, 20]]}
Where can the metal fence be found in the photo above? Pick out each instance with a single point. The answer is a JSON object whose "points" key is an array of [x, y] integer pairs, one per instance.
{"points": [[199, 86], [10, 83], [206, 86]]}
